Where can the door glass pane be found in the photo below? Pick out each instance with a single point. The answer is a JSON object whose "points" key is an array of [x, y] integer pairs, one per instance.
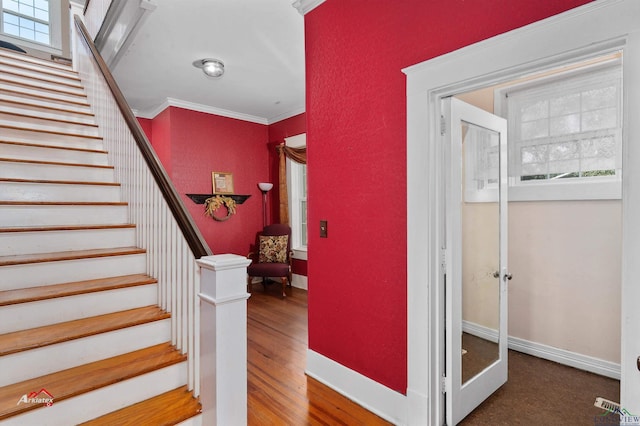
{"points": [[480, 267]]}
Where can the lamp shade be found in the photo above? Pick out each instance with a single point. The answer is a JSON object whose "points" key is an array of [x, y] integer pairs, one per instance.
{"points": [[265, 186]]}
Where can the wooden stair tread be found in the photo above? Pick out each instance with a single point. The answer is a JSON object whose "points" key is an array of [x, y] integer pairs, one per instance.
{"points": [[23, 259], [38, 337], [75, 84], [48, 131], [65, 228], [54, 163], [24, 103], [45, 96], [40, 87], [37, 145], [57, 73], [63, 182], [62, 203], [56, 120], [85, 378], [169, 408], [33, 294], [25, 57]]}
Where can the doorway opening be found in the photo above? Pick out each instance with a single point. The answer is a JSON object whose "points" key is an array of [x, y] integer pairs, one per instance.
{"points": [[552, 43]]}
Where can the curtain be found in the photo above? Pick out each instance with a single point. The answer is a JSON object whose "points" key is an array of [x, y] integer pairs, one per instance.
{"points": [[299, 155]]}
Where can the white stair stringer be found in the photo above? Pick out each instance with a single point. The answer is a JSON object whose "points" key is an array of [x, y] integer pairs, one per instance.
{"points": [[49, 359], [40, 274], [14, 243], [104, 400], [23, 316]]}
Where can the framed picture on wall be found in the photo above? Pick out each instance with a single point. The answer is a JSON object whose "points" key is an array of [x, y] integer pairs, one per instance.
{"points": [[222, 182]]}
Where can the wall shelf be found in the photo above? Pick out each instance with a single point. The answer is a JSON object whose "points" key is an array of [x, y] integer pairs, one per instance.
{"points": [[200, 198]]}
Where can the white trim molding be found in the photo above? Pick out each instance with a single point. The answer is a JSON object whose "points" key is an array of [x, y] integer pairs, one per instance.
{"points": [[375, 397], [306, 6], [551, 353], [153, 112], [614, 25]]}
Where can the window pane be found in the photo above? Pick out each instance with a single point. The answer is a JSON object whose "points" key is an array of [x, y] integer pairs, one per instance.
{"points": [[534, 111], [303, 215], [42, 38], [564, 125], [26, 10], [11, 5], [42, 15], [42, 28], [27, 24], [599, 98], [27, 33], [12, 29], [599, 119], [563, 151], [10, 18], [568, 166], [599, 148], [564, 105], [42, 5], [534, 129]]}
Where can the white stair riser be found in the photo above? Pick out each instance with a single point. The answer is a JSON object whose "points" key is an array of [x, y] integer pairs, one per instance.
{"points": [[193, 421], [62, 215], [36, 153], [52, 358], [37, 91], [19, 170], [48, 99], [35, 72], [36, 103], [20, 191], [48, 121], [43, 116], [42, 85], [30, 61], [62, 309], [36, 125], [15, 243], [13, 133], [46, 273], [104, 400]]}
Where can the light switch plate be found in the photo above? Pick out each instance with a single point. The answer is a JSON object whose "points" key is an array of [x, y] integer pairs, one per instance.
{"points": [[323, 229]]}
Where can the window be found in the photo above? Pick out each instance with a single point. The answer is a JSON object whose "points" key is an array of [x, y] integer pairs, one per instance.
{"points": [[297, 189], [27, 19], [565, 135]]}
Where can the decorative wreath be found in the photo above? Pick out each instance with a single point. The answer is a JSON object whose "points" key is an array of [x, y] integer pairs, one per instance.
{"points": [[214, 203]]}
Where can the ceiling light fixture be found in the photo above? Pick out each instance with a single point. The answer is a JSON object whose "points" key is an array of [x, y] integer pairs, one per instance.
{"points": [[211, 67]]}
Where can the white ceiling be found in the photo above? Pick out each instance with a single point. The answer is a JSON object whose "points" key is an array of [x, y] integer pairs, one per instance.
{"points": [[261, 43]]}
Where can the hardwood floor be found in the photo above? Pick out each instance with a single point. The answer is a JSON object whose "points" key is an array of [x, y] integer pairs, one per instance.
{"points": [[279, 393]]}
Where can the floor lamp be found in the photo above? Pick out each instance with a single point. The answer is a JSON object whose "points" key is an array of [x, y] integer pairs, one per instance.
{"points": [[264, 187]]}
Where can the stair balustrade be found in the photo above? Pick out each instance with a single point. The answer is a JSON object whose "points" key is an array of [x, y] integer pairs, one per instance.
{"points": [[164, 227]]}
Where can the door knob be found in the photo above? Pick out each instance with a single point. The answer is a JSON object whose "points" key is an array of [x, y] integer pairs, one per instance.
{"points": [[496, 274], [507, 277]]}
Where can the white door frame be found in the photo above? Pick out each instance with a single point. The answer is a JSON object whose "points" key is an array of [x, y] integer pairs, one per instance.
{"points": [[595, 28]]}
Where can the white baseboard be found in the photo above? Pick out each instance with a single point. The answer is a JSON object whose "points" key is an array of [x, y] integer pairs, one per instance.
{"points": [[561, 356], [299, 281], [375, 397]]}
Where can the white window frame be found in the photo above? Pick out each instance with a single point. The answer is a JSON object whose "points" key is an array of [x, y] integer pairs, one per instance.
{"points": [[296, 194], [55, 32], [592, 188]]}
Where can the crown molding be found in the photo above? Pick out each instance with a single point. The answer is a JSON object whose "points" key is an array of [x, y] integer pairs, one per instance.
{"points": [[306, 6], [153, 112]]}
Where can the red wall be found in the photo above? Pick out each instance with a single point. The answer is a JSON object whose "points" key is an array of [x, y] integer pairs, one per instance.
{"points": [[191, 145], [356, 138]]}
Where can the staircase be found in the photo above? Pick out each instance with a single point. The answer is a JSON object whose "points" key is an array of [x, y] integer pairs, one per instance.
{"points": [[79, 322]]}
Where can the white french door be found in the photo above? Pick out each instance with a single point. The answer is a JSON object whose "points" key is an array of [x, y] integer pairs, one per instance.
{"points": [[476, 256]]}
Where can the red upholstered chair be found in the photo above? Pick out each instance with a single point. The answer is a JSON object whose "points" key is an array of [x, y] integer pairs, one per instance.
{"points": [[272, 257]]}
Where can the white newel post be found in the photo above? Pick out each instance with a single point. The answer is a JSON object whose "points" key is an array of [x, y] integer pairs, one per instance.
{"points": [[223, 339]]}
